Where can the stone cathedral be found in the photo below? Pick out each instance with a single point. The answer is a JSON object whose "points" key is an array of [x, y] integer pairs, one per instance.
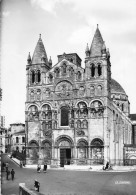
{"points": [[75, 115]]}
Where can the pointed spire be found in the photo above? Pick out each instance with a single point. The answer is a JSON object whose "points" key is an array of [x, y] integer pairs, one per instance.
{"points": [[87, 51], [50, 61], [39, 55], [97, 44], [29, 58]]}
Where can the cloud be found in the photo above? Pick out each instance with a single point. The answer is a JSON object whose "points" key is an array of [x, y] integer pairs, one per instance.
{"points": [[5, 13], [47, 5], [80, 35]]}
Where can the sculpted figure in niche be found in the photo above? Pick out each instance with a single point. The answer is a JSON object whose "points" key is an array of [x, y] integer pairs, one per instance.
{"points": [[72, 123], [47, 92], [31, 117], [38, 94], [92, 91], [32, 96], [32, 112], [54, 123], [78, 124], [81, 91], [55, 115], [85, 124]]}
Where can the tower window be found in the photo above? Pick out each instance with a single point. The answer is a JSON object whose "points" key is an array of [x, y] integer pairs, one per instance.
{"points": [[57, 72], [99, 70], [64, 116], [78, 75], [33, 76], [92, 70], [38, 76], [50, 78], [64, 68], [122, 107]]}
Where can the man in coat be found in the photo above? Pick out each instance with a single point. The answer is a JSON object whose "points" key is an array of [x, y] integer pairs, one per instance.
{"points": [[12, 174]]}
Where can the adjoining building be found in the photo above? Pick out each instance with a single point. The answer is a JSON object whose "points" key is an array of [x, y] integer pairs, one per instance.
{"points": [[17, 137], [2, 134], [75, 115]]}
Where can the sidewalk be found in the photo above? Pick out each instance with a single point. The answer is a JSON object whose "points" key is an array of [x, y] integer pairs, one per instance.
{"points": [[82, 167]]}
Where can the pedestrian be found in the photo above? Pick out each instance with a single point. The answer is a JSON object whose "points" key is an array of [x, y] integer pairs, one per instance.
{"points": [[12, 174], [106, 166], [7, 174], [38, 168], [20, 164], [36, 185], [45, 167], [6, 166]]}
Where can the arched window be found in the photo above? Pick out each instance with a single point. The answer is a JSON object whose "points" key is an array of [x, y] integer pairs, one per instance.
{"points": [[17, 140], [122, 107], [72, 113], [23, 139], [33, 76], [78, 75], [50, 78], [71, 71], [57, 71], [64, 68], [64, 116], [17, 148], [92, 70], [99, 70], [38, 76]]}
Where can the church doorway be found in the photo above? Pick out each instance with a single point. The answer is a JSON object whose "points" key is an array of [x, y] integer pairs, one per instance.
{"points": [[65, 156], [97, 151]]}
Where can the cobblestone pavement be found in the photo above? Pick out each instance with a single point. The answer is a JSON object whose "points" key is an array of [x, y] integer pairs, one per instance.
{"points": [[70, 182]]}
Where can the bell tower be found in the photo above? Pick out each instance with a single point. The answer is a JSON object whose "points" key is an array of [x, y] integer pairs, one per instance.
{"points": [[97, 65], [36, 68]]}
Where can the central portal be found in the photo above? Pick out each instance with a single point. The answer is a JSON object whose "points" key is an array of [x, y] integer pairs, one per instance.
{"points": [[65, 156]]}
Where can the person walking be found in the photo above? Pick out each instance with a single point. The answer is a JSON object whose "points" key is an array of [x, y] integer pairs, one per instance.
{"points": [[38, 168], [6, 166], [12, 174], [36, 185], [45, 167], [7, 174]]}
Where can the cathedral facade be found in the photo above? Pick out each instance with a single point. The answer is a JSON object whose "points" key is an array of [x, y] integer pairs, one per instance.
{"points": [[75, 115]]}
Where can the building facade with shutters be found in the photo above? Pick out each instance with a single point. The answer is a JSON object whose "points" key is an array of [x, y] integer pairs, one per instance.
{"points": [[75, 115], [17, 136]]}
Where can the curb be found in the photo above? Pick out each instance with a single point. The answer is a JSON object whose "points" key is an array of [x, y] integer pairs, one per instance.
{"points": [[66, 169]]}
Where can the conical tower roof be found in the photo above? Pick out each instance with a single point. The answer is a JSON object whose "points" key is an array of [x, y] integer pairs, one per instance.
{"points": [[39, 55], [97, 44]]}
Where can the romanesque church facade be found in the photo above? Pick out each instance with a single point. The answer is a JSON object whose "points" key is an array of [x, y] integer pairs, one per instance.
{"points": [[75, 115]]}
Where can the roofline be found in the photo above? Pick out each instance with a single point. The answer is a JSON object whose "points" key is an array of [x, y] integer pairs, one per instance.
{"points": [[70, 54]]}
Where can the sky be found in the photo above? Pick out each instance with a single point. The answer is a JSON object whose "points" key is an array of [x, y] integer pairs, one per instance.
{"points": [[65, 26]]}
